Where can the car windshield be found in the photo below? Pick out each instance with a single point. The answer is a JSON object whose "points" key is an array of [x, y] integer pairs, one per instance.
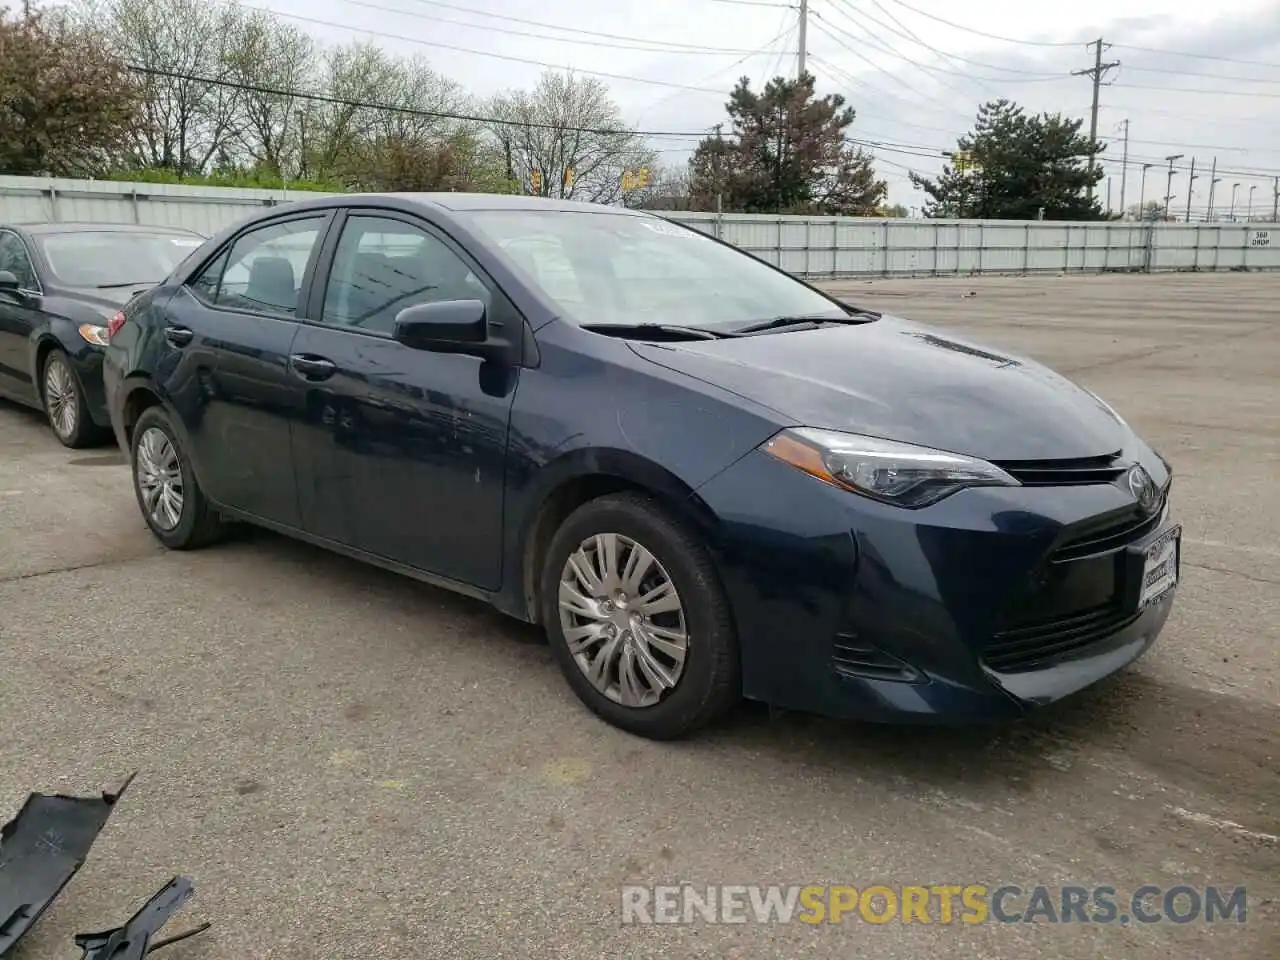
{"points": [[98, 258], [620, 269]]}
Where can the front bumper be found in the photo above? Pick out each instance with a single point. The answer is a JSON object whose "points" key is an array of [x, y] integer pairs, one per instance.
{"points": [[980, 607]]}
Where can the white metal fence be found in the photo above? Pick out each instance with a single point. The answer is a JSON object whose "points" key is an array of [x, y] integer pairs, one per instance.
{"points": [[816, 247]]}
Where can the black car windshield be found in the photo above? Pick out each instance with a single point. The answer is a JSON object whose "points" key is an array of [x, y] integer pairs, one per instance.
{"points": [[616, 268], [97, 258]]}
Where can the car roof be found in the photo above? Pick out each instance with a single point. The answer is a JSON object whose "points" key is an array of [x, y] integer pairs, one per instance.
{"points": [[52, 229], [465, 202]]}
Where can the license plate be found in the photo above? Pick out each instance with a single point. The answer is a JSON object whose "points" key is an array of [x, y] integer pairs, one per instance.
{"points": [[1160, 568]]}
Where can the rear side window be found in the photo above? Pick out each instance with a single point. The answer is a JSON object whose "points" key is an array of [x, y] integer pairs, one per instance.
{"points": [[263, 269]]}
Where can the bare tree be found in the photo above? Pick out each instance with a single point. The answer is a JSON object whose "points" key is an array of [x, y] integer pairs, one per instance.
{"points": [[271, 56], [567, 125], [180, 46]]}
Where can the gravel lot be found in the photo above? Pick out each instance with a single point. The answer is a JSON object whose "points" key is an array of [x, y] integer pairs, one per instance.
{"points": [[352, 764]]}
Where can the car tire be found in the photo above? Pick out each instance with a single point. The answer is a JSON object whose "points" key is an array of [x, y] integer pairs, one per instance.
{"points": [[708, 683], [64, 404], [160, 467]]}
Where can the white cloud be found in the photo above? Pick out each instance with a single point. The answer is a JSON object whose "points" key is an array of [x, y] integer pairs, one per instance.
{"points": [[905, 94]]}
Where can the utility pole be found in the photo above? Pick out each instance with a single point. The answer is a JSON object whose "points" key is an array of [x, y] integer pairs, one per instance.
{"points": [[1108, 194], [1275, 202], [1168, 187], [1213, 182], [1142, 192], [803, 34], [1124, 166], [1096, 73], [1190, 180]]}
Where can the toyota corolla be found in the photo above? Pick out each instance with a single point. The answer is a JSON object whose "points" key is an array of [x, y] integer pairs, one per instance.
{"points": [[706, 479]]}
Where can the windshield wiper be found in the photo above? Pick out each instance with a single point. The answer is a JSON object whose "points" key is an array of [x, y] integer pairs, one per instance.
{"points": [[777, 323], [670, 329], [131, 283]]}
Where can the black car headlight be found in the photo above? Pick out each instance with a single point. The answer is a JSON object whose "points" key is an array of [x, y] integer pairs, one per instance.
{"points": [[902, 474]]}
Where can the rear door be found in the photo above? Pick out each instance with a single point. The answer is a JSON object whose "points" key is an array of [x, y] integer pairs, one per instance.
{"points": [[19, 315], [228, 338]]}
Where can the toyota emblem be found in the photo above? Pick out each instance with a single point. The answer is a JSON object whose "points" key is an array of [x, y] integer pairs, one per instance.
{"points": [[1143, 488]]}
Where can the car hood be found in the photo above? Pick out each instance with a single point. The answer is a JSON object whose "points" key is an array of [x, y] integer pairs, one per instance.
{"points": [[900, 380]]}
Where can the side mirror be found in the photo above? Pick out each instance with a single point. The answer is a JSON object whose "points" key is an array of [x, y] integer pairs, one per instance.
{"points": [[452, 326], [8, 282]]}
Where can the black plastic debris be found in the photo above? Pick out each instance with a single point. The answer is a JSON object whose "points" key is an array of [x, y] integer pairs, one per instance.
{"points": [[133, 940], [41, 849]]}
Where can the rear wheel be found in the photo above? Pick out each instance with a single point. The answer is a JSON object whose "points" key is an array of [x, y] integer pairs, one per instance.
{"points": [[65, 406], [637, 618], [171, 500]]}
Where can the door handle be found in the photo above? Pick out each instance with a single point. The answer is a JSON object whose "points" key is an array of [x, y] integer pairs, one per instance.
{"points": [[178, 336], [312, 368]]}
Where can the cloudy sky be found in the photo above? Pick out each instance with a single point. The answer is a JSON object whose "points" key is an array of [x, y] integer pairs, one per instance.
{"points": [[1198, 79]]}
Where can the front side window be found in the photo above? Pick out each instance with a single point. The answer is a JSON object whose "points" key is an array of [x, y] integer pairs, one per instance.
{"points": [[15, 259], [384, 265], [617, 268], [114, 258], [263, 270]]}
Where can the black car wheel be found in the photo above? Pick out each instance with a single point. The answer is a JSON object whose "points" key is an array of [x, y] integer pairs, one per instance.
{"points": [[637, 619], [170, 498], [64, 404]]}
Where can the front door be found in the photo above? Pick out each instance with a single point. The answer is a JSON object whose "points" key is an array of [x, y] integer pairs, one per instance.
{"points": [[229, 334], [19, 315], [402, 452]]}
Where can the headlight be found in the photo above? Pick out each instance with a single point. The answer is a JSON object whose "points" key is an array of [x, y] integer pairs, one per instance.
{"points": [[898, 473], [94, 334]]}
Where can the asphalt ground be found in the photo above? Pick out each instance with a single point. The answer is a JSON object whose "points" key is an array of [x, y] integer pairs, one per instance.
{"points": [[351, 764]]}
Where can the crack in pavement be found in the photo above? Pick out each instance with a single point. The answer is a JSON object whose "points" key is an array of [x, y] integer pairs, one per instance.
{"points": [[71, 568], [1237, 573]]}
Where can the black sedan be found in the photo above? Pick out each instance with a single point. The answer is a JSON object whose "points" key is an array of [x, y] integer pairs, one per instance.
{"points": [[704, 478], [60, 283]]}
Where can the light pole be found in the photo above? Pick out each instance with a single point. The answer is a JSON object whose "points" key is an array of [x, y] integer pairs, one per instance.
{"points": [[1142, 192], [1249, 215], [1168, 189], [1232, 214]]}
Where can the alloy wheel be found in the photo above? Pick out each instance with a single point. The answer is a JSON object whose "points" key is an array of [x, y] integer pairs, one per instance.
{"points": [[159, 476], [623, 620], [61, 398]]}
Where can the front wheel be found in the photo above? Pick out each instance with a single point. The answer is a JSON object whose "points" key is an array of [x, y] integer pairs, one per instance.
{"points": [[171, 500], [65, 406], [637, 619]]}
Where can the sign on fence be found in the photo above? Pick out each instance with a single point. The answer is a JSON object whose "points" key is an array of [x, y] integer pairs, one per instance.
{"points": [[1261, 238]]}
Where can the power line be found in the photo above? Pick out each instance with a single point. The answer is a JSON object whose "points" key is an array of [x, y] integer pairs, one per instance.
{"points": [[482, 53], [1216, 93], [980, 33], [755, 3], [1031, 76], [871, 63], [1198, 56], [555, 26], [634, 43], [394, 108]]}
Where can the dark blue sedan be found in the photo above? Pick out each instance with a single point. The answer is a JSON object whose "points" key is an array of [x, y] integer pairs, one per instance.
{"points": [[703, 477]]}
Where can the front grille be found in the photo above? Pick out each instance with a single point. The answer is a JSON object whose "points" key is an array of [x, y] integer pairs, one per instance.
{"points": [[853, 657], [1065, 473], [1108, 533], [1040, 645]]}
